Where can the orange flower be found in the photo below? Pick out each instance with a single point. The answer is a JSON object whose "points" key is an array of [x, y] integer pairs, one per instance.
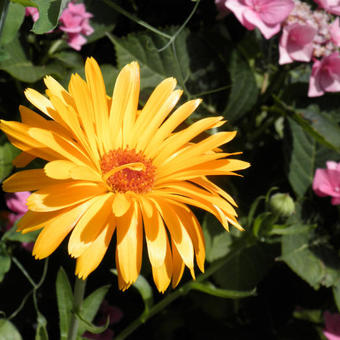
{"points": [[111, 167]]}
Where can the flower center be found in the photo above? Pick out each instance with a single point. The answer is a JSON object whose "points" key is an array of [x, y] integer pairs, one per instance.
{"points": [[126, 170]]}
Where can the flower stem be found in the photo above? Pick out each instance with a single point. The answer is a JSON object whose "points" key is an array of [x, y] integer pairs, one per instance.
{"points": [[175, 295], [78, 297]]}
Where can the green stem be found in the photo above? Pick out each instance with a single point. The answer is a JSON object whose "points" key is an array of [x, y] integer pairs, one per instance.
{"points": [[4, 4], [79, 291], [135, 19], [146, 315]]}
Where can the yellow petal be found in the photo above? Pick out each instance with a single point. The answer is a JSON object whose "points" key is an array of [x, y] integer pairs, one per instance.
{"points": [[155, 102], [97, 89], [90, 224], [82, 98], [64, 147], [27, 180], [56, 230], [155, 234], [36, 220], [177, 266], [93, 255], [60, 196], [194, 229], [173, 121], [22, 160], [121, 204], [146, 134], [39, 101], [162, 274], [129, 244], [179, 234], [124, 104], [179, 139], [59, 169], [200, 148]]}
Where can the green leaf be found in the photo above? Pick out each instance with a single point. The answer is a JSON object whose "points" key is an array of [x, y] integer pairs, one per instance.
{"points": [[7, 153], [64, 301], [155, 66], [217, 239], [336, 294], [89, 326], [41, 332], [210, 289], [50, 11], [15, 17], [14, 235], [145, 290], [244, 90], [302, 159], [291, 230], [318, 125], [313, 262], [247, 268], [91, 305], [18, 66], [5, 261], [8, 331], [26, 3]]}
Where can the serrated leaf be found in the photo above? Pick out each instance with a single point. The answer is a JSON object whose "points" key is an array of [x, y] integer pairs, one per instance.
{"points": [[91, 305], [14, 235], [155, 66], [314, 263], [14, 18], [210, 289], [7, 153], [8, 331], [244, 90], [18, 66], [246, 269], [318, 125], [217, 240], [64, 301], [49, 13], [302, 159]]}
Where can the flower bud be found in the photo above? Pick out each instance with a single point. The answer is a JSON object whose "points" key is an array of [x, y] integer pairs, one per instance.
{"points": [[282, 204]]}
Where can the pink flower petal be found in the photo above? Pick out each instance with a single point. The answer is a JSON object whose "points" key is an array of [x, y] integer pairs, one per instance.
{"points": [[273, 12]]}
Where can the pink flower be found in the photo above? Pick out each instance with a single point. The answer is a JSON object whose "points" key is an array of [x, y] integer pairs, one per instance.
{"points": [[331, 6], [266, 15], [222, 9], [332, 323], [75, 22], [296, 43], [16, 202], [326, 182], [33, 12], [334, 31], [325, 76], [76, 41]]}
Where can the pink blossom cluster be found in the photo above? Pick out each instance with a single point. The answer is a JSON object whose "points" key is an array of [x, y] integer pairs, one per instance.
{"points": [[74, 21], [332, 323], [16, 202], [326, 182], [307, 35]]}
